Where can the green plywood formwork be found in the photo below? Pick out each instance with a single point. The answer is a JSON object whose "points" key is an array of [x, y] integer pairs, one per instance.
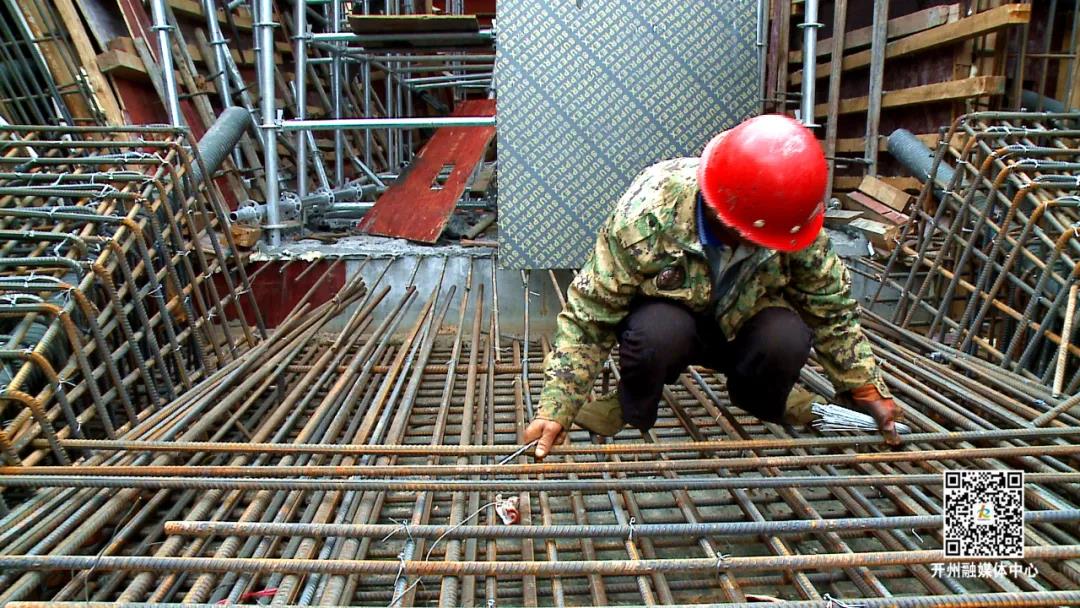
{"points": [[592, 92]]}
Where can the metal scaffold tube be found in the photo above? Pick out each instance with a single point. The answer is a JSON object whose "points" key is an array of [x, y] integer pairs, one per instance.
{"points": [[165, 57], [268, 111], [301, 92], [809, 27]]}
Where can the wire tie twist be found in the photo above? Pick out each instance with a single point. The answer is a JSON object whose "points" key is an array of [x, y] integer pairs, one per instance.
{"points": [[401, 528], [721, 563], [832, 601], [630, 536], [401, 568]]}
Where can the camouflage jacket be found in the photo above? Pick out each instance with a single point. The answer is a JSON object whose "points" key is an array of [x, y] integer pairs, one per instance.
{"points": [[654, 227]]}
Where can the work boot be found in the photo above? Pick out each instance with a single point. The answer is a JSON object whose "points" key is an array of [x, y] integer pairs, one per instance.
{"points": [[602, 415], [800, 403]]}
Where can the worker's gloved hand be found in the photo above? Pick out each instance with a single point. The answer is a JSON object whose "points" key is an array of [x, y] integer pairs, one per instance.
{"points": [[547, 432], [868, 400]]}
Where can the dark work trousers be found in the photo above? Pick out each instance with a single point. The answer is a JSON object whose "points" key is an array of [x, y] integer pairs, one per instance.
{"points": [[660, 338]]}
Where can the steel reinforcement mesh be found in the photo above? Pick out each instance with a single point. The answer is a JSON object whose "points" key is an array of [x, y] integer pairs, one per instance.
{"points": [[374, 465]]}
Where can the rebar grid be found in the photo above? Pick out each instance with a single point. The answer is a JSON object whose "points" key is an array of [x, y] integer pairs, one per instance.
{"points": [[338, 446], [119, 290], [988, 259]]}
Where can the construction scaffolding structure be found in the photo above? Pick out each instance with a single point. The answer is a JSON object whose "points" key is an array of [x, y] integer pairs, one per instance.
{"points": [[388, 125]]}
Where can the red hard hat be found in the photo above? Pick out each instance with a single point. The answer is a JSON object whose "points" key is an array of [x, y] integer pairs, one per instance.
{"points": [[766, 179]]}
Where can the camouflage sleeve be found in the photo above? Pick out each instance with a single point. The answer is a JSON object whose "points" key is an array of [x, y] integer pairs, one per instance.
{"points": [[820, 290], [596, 301]]}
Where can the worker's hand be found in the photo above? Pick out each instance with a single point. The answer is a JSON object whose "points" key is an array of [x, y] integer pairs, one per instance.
{"points": [[548, 432], [868, 400]]}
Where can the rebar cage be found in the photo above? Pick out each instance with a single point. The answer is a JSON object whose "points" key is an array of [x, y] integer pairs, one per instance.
{"points": [[119, 290], [991, 250]]}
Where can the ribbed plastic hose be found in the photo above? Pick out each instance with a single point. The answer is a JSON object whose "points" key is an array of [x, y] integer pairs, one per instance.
{"points": [[221, 138]]}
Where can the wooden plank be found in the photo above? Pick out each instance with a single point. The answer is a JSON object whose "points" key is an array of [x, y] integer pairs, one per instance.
{"points": [[245, 236], [878, 40], [88, 59], [121, 64], [772, 59], [192, 8], [832, 103], [888, 194], [102, 22], [412, 24], [883, 236], [974, 26], [900, 26], [848, 145], [873, 209], [841, 217], [483, 179], [123, 43], [927, 93], [42, 28], [418, 205], [849, 182], [242, 57], [782, 53]]}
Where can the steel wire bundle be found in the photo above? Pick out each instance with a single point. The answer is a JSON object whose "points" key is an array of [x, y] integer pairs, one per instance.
{"points": [[832, 418]]}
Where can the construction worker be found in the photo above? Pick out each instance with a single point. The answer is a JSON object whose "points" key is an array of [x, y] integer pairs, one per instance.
{"points": [[717, 261]]}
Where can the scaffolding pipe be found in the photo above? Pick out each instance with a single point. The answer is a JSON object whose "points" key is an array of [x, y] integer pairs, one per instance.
{"points": [[165, 58], [270, 163], [809, 27], [387, 123], [335, 96], [300, 92]]}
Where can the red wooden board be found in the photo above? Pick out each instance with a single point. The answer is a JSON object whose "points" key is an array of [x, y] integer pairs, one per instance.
{"points": [[412, 208], [277, 293]]}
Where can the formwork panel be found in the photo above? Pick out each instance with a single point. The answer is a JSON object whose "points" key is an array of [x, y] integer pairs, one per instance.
{"points": [[582, 111]]}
